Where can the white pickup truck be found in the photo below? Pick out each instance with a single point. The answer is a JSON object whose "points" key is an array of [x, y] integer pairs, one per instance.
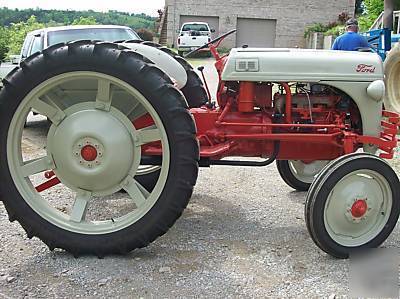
{"points": [[185, 78], [38, 40], [192, 36]]}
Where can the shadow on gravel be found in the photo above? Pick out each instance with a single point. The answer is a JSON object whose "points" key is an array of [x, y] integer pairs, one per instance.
{"points": [[212, 223], [215, 221], [297, 197]]}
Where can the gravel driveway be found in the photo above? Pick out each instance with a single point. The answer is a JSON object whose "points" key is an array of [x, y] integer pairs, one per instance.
{"points": [[242, 235]]}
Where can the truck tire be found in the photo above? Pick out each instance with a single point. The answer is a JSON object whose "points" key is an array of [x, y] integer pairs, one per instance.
{"points": [[101, 131], [392, 74], [194, 91], [353, 205]]}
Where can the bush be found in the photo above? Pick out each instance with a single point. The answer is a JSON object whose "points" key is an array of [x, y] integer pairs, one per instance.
{"points": [[336, 31], [145, 34], [343, 17], [332, 28], [317, 27], [4, 48]]}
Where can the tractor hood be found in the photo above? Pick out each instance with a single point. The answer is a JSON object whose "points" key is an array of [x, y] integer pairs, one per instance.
{"points": [[289, 65]]}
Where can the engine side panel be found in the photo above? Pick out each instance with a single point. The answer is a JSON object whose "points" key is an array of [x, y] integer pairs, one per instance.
{"points": [[301, 65]]}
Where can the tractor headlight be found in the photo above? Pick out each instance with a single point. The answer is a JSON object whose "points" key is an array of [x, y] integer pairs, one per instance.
{"points": [[376, 90]]}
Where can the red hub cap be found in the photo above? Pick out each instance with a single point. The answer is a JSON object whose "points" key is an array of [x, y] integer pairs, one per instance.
{"points": [[89, 153], [359, 208]]}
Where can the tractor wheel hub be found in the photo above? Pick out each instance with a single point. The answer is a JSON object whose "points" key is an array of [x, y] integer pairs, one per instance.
{"points": [[92, 150], [359, 208], [89, 153]]}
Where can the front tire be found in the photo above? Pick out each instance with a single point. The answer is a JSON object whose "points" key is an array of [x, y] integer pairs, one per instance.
{"points": [[94, 149], [298, 174], [354, 204]]}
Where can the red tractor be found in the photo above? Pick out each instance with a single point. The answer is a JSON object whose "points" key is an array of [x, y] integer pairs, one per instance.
{"points": [[124, 120]]}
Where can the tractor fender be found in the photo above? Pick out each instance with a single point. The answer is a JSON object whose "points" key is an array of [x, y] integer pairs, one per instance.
{"points": [[163, 61]]}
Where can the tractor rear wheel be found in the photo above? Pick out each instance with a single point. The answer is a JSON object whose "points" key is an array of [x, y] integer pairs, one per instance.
{"points": [[298, 174], [392, 75], [354, 204], [93, 93]]}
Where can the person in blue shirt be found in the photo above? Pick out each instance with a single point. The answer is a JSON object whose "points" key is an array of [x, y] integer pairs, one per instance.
{"points": [[351, 40]]}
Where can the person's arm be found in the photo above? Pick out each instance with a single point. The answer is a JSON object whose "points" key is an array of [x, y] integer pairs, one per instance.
{"points": [[335, 45], [364, 42]]}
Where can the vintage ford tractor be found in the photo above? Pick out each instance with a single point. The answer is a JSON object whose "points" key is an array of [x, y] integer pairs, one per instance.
{"points": [[134, 117]]}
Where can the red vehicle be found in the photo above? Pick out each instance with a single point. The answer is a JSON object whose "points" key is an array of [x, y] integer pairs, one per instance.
{"points": [[119, 123]]}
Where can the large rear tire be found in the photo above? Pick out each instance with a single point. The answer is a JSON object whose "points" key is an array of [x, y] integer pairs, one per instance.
{"points": [[354, 204], [92, 93], [392, 75]]}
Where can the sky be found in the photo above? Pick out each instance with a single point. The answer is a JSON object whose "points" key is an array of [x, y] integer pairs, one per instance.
{"points": [[149, 7]]}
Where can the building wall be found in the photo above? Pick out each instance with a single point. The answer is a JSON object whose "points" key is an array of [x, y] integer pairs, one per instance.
{"points": [[292, 16]]}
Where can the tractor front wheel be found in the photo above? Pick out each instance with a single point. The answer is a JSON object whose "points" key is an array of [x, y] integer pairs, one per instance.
{"points": [[354, 204], [298, 174], [93, 94]]}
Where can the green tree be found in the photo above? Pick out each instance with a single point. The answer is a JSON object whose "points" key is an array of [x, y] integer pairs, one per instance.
{"points": [[16, 23], [18, 31], [4, 36], [372, 10], [85, 21], [66, 17], [359, 7]]}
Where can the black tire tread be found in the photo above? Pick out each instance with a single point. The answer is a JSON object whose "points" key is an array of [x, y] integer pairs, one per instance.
{"points": [[288, 177], [319, 233], [150, 81], [312, 190]]}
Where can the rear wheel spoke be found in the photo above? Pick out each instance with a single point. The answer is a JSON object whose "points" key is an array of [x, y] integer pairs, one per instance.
{"points": [[137, 111], [103, 98], [136, 191], [53, 113], [37, 166], [54, 100], [80, 206], [149, 134]]}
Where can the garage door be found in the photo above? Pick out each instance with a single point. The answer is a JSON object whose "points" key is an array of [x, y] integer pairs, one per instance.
{"points": [[256, 32], [213, 22]]}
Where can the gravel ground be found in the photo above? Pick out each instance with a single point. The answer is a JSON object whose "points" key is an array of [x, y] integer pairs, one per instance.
{"points": [[242, 235]]}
